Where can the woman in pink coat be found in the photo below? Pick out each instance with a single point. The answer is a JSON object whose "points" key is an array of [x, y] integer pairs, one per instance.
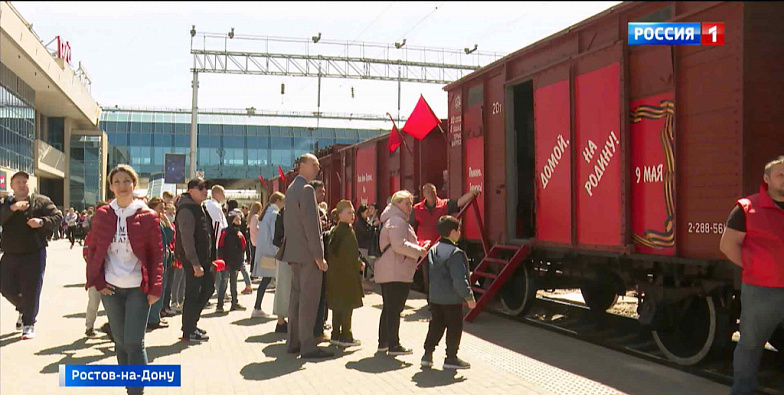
{"points": [[395, 269]]}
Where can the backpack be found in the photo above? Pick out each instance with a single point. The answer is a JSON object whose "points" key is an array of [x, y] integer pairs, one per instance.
{"points": [[375, 248], [277, 239]]}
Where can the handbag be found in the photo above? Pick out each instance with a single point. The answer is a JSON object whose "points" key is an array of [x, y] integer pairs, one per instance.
{"points": [[268, 262]]}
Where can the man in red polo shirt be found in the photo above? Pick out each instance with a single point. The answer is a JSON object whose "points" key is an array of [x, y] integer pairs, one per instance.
{"points": [[754, 240], [426, 213]]}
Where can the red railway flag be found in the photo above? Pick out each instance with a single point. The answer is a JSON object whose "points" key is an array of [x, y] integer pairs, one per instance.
{"points": [[261, 178], [282, 176], [421, 121], [395, 139]]}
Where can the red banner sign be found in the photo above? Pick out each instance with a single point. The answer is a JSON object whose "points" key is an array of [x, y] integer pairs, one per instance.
{"points": [[553, 163], [366, 175], [63, 50], [597, 119], [653, 175], [474, 173]]}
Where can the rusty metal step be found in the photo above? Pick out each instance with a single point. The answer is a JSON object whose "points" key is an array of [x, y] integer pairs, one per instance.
{"points": [[496, 260], [485, 275]]}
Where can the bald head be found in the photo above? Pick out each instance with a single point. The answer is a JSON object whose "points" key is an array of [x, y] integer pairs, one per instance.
{"points": [[309, 166]]}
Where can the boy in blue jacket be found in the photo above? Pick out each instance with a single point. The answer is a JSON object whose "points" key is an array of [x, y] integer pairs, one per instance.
{"points": [[449, 289]]}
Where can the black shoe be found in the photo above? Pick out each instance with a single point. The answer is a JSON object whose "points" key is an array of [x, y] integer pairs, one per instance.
{"points": [[158, 325], [282, 328], [456, 363], [219, 309], [168, 313], [293, 350], [90, 332], [108, 331], [237, 307], [399, 350], [427, 360], [196, 336], [202, 331], [318, 354]]}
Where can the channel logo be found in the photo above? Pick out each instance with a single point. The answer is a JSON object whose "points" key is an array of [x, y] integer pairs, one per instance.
{"points": [[676, 33]]}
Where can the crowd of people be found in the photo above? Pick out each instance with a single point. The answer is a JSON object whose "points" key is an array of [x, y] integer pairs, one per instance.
{"points": [[147, 260]]}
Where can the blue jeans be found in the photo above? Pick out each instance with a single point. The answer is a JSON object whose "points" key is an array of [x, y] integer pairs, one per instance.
{"points": [[127, 311], [762, 310], [224, 277], [155, 309], [245, 276]]}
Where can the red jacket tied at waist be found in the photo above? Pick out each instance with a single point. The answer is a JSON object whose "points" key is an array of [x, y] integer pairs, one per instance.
{"points": [[427, 220], [144, 234], [762, 251]]}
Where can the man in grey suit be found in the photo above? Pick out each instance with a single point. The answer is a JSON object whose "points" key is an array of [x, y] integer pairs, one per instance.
{"points": [[303, 248]]}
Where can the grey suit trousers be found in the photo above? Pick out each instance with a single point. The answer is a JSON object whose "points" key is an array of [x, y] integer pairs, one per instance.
{"points": [[303, 306]]}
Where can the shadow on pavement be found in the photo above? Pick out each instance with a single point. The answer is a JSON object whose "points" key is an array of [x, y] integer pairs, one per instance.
{"points": [[79, 344], [429, 378], [283, 364], [215, 314], [377, 364], [74, 285], [7, 339], [163, 351], [253, 321], [420, 314], [84, 315], [267, 338], [69, 350]]}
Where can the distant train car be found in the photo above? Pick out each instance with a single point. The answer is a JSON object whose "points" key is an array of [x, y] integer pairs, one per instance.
{"points": [[367, 173], [618, 165]]}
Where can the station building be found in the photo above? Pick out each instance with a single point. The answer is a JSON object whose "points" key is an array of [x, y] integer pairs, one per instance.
{"points": [[230, 146], [48, 118]]}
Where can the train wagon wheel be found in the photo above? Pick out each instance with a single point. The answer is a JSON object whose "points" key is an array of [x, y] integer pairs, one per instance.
{"points": [[777, 340], [691, 340], [519, 292], [599, 298]]}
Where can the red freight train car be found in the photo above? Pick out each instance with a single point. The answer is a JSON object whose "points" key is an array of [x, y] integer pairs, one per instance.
{"points": [[618, 165], [368, 173]]}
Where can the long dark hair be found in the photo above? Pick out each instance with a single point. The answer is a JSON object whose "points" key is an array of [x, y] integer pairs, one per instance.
{"points": [[276, 197]]}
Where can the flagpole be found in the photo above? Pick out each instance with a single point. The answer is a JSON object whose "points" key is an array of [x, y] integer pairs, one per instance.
{"points": [[394, 126]]}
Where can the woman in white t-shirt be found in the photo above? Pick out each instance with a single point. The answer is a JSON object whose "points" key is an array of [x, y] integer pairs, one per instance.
{"points": [[125, 264]]}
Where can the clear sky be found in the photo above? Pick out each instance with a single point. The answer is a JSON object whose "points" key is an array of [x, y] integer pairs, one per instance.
{"points": [[137, 54]]}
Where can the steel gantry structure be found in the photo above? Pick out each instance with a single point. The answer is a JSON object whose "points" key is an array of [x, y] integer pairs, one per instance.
{"points": [[294, 57]]}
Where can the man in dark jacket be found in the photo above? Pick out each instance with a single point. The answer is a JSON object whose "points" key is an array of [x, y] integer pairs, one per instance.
{"points": [[193, 247], [449, 289], [27, 222]]}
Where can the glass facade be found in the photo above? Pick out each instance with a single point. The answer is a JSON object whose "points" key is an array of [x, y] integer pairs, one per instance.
{"points": [[17, 122], [229, 146], [86, 175]]}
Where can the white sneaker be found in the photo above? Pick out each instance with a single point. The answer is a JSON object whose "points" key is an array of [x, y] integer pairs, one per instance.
{"points": [[351, 343], [28, 332], [258, 314], [19, 323]]}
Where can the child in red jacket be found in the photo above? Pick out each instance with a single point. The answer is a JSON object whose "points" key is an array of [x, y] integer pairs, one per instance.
{"points": [[231, 249]]}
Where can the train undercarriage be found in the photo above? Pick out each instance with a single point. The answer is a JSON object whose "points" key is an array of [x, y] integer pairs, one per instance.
{"points": [[691, 307]]}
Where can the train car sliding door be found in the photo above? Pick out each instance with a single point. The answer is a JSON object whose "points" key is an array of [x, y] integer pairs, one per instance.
{"points": [[552, 172], [366, 175], [600, 178]]}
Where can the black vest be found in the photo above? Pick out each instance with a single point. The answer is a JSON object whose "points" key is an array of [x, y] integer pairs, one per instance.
{"points": [[232, 252], [202, 235]]}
